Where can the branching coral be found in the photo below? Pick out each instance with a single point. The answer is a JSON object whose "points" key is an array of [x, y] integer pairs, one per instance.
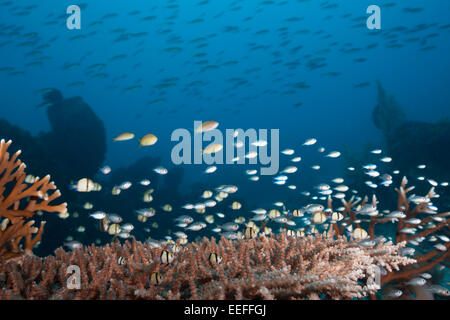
{"points": [[327, 266], [426, 261], [19, 201], [277, 267]]}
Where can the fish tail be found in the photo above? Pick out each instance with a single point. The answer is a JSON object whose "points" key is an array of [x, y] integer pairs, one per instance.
{"points": [[139, 143]]}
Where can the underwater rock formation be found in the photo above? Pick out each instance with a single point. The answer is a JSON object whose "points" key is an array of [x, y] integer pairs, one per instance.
{"points": [[426, 143], [19, 202], [75, 147], [277, 267], [34, 151], [387, 114], [77, 141]]}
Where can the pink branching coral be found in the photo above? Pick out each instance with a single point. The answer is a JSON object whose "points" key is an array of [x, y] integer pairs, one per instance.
{"points": [[276, 267], [19, 201]]}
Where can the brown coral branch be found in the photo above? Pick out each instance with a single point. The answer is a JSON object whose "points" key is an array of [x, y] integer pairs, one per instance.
{"points": [[20, 204], [409, 273], [426, 261]]}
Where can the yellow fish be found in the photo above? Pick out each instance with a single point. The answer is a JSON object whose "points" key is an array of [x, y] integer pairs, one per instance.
{"points": [[148, 140], [212, 148], [124, 136], [206, 126]]}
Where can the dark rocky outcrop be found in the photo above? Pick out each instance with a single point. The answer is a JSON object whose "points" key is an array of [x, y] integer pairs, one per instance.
{"points": [[411, 143], [75, 146], [77, 140]]}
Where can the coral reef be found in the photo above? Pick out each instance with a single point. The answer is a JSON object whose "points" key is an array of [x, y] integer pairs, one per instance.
{"points": [[276, 267], [19, 201], [317, 266], [424, 262]]}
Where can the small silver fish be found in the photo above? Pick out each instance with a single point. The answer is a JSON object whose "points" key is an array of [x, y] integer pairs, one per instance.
{"points": [[125, 185], [123, 235], [98, 215], [417, 281], [408, 251], [418, 199], [161, 170], [443, 238], [396, 215], [150, 212], [440, 290], [259, 217], [367, 243], [230, 226], [196, 226], [281, 219], [114, 218], [230, 235], [408, 230], [127, 227], [259, 211], [395, 293], [440, 247], [413, 221], [73, 245], [184, 219]]}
